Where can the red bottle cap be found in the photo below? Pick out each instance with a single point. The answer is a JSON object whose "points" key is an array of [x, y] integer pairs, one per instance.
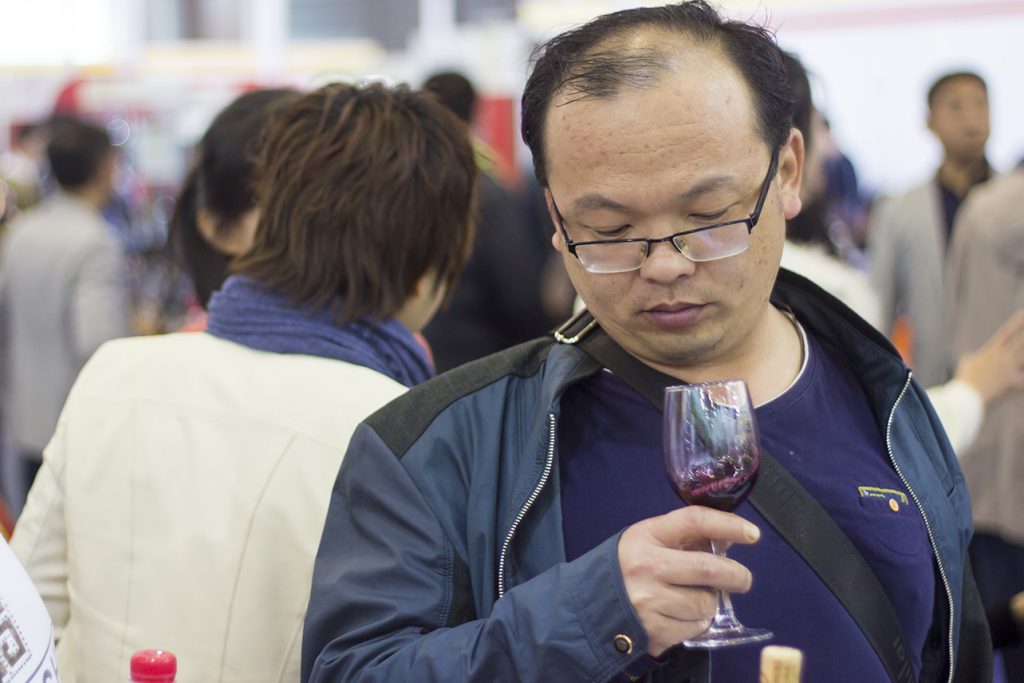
{"points": [[154, 666]]}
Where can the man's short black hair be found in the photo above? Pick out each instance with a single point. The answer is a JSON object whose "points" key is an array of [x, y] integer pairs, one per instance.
{"points": [[942, 80], [455, 92], [803, 103], [76, 151], [583, 63]]}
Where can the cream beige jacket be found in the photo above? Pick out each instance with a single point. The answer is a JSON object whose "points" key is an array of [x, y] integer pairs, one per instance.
{"points": [[181, 503]]}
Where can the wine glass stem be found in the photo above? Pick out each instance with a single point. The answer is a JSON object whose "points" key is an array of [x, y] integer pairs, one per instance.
{"points": [[724, 616]]}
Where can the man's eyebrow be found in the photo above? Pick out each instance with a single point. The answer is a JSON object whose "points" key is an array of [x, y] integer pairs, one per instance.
{"points": [[593, 201], [710, 184]]}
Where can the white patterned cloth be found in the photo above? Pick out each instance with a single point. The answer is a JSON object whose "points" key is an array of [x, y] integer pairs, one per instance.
{"points": [[26, 633]]}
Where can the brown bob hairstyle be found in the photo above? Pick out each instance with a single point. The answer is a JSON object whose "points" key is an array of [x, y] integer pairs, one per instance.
{"points": [[362, 191]]}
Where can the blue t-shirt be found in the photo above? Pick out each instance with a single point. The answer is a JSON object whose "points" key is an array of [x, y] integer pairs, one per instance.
{"points": [[822, 430]]}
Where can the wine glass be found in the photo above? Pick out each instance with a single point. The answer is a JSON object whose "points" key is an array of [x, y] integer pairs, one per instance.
{"points": [[711, 456]]}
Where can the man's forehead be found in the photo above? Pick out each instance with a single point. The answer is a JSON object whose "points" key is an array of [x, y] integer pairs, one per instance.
{"points": [[701, 89]]}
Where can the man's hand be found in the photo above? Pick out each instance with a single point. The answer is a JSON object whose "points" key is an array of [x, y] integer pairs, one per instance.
{"points": [[671, 576]]}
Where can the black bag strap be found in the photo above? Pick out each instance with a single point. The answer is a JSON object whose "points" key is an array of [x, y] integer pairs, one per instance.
{"points": [[787, 506]]}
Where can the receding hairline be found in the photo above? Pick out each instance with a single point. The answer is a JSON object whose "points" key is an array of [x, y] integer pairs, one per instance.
{"points": [[644, 55]]}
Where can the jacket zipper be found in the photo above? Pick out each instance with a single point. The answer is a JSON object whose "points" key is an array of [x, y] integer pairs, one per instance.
{"points": [[927, 526], [545, 475]]}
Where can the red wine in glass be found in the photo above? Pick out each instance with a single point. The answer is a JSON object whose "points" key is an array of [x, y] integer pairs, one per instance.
{"points": [[711, 457], [722, 484]]}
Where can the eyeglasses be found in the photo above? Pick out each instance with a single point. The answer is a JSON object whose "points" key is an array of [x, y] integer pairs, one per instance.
{"points": [[709, 243]]}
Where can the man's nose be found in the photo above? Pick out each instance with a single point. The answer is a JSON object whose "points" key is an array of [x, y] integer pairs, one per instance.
{"points": [[665, 263]]}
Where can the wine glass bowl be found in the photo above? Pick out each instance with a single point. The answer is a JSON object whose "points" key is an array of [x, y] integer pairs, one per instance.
{"points": [[712, 458], [710, 447]]}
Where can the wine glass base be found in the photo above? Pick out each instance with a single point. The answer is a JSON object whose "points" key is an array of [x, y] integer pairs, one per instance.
{"points": [[718, 636]]}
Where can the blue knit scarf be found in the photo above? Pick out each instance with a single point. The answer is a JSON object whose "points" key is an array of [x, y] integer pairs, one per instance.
{"points": [[245, 312]]}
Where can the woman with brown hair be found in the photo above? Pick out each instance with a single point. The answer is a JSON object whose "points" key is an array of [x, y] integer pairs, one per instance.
{"points": [[183, 496], [215, 213]]}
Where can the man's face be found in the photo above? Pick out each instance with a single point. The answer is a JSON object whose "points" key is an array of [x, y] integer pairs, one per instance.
{"points": [[959, 118], [652, 162]]}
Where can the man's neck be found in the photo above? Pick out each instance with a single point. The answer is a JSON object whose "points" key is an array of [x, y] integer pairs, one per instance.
{"points": [[959, 176], [769, 363]]}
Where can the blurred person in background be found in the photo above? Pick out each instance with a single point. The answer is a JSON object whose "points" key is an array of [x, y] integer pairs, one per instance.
{"points": [[981, 378], [63, 292], [909, 233], [215, 214], [845, 202], [496, 302], [22, 167], [183, 495], [808, 249], [985, 279]]}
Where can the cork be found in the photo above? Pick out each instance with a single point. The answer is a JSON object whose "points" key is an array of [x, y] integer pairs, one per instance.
{"points": [[780, 664]]}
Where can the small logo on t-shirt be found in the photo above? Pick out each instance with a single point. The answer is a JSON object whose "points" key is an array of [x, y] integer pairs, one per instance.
{"points": [[14, 653], [878, 492]]}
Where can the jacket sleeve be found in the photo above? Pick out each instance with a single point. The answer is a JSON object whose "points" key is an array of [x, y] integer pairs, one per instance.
{"points": [[391, 600], [99, 305], [40, 535]]}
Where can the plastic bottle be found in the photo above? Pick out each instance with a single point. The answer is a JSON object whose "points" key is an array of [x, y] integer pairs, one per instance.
{"points": [[153, 666]]}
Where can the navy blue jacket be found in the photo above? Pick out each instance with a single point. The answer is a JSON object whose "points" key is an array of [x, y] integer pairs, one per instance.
{"points": [[443, 559]]}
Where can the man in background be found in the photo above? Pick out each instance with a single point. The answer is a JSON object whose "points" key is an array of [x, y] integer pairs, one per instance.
{"points": [[62, 291], [496, 302], [910, 232]]}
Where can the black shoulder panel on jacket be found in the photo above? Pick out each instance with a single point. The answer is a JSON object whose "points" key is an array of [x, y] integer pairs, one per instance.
{"points": [[403, 420]]}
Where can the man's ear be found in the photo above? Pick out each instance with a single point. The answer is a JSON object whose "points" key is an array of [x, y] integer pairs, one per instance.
{"points": [[556, 236], [791, 167]]}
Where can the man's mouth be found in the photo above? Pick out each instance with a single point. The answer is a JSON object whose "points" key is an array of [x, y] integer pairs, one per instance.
{"points": [[675, 315]]}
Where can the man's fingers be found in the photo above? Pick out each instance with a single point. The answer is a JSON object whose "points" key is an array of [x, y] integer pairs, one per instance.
{"points": [[675, 602], [1011, 332], [705, 569], [664, 632], [687, 568], [695, 523], [689, 604]]}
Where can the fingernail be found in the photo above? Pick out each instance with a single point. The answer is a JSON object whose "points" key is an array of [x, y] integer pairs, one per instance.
{"points": [[753, 533]]}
